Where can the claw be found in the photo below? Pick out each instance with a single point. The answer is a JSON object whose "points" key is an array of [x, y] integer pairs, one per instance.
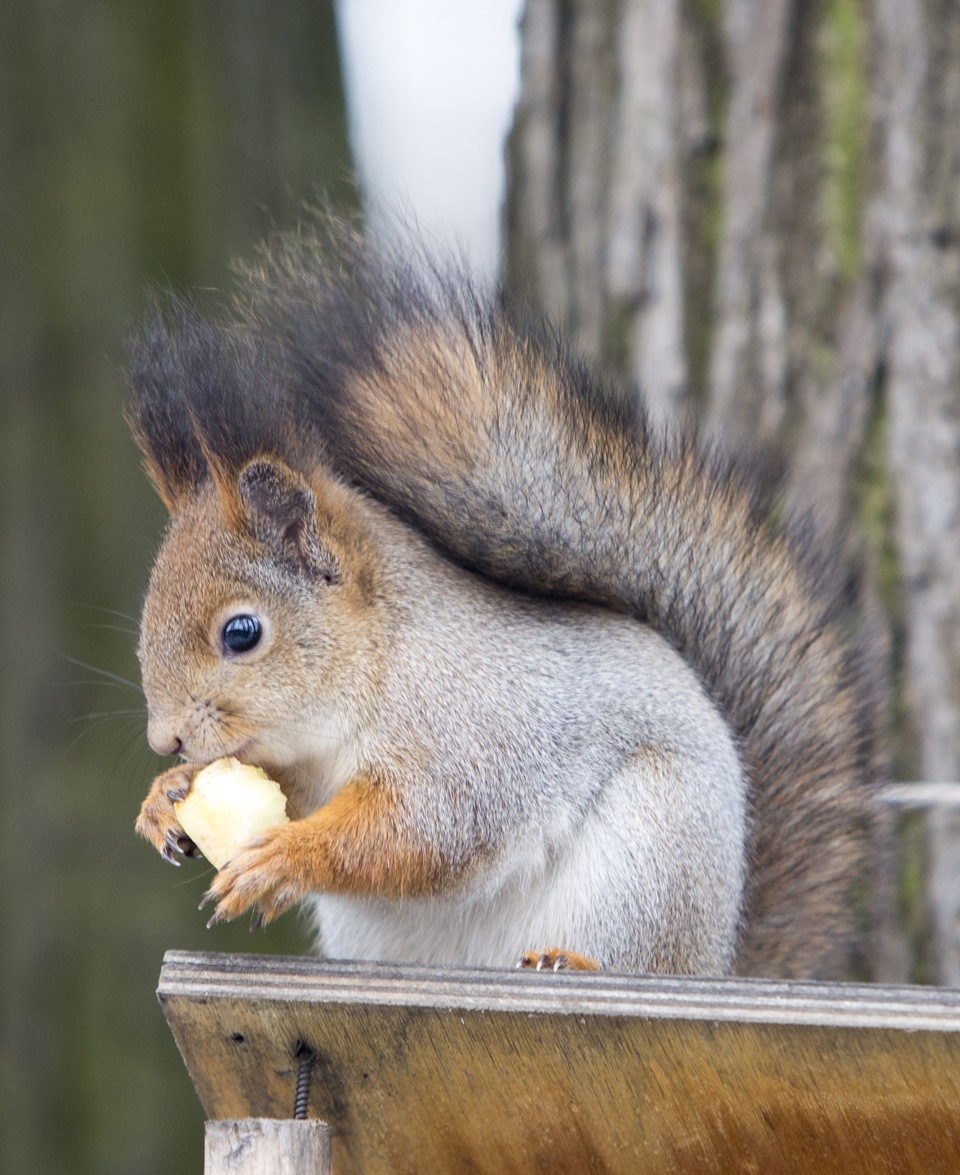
{"points": [[167, 854], [183, 844], [256, 922], [556, 961]]}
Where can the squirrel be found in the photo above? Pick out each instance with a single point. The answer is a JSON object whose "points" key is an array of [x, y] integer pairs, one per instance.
{"points": [[538, 680]]}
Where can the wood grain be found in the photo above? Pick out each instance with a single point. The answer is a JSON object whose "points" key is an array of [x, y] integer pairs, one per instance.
{"points": [[265, 1146], [431, 1070]]}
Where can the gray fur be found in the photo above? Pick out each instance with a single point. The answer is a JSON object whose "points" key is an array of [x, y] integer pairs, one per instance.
{"points": [[666, 771], [482, 431], [576, 758]]}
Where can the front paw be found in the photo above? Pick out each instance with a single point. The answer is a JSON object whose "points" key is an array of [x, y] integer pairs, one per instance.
{"points": [[269, 872], [158, 821]]}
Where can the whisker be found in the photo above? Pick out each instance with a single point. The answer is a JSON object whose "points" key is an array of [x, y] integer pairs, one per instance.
{"points": [[93, 724], [105, 673], [310, 732], [301, 776], [101, 608], [116, 628], [127, 754], [249, 726], [195, 877], [139, 712]]}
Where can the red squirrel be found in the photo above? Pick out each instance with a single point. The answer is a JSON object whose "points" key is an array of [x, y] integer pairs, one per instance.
{"points": [[537, 679]]}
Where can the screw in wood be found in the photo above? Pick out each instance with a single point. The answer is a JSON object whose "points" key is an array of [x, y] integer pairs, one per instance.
{"points": [[301, 1100]]}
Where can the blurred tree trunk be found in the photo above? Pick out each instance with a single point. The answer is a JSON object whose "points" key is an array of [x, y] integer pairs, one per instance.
{"points": [[753, 207]]}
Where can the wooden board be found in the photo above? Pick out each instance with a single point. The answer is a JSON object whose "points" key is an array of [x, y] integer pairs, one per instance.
{"points": [[267, 1146], [427, 1070]]}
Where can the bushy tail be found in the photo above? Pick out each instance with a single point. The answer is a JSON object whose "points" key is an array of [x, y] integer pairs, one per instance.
{"points": [[500, 447]]}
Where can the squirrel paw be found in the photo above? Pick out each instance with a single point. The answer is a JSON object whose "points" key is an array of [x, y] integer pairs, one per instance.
{"points": [[158, 821], [556, 961], [268, 872]]}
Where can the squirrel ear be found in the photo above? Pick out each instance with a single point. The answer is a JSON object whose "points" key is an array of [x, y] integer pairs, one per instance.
{"points": [[282, 512]]}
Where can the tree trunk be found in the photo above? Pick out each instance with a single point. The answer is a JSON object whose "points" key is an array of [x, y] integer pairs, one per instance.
{"points": [[752, 208]]}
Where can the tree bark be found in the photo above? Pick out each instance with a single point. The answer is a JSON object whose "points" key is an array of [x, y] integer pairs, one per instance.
{"points": [[917, 211], [752, 209]]}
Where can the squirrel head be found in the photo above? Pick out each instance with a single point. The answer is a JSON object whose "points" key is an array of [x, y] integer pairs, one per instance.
{"points": [[261, 612], [260, 616]]}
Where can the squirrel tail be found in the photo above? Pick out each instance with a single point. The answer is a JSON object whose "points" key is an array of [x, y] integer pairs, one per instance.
{"points": [[488, 436]]}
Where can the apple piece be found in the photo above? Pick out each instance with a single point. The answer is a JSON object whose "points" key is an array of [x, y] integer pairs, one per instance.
{"points": [[229, 804]]}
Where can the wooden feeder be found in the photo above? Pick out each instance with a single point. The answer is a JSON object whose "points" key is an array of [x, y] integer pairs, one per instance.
{"points": [[442, 1070]]}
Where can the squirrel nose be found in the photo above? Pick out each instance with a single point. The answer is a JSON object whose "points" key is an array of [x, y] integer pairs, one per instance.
{"points": [[162, 738]]}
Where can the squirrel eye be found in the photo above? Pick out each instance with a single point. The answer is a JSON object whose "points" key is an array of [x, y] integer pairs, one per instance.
{"points": [[241, 633]]}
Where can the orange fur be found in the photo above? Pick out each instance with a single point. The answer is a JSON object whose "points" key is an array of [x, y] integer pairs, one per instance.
{"points": [[556, 960], [359, 843], [157, 821]]}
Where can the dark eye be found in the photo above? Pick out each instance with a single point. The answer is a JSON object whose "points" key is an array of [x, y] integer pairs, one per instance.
{"points": [[240, 634]]}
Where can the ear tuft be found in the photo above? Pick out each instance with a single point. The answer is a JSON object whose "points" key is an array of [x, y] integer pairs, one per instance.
{"points": [[281, 510], [157, 410]]}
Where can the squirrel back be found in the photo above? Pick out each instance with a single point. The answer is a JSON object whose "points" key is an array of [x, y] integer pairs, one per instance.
{"points": [[483, 433]]}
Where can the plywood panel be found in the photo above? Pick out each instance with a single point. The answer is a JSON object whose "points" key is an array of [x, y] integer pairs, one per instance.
{"points": [[426, 1070]]}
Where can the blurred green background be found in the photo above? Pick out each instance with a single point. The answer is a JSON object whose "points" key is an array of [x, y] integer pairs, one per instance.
{"points": [[139, 144]]}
